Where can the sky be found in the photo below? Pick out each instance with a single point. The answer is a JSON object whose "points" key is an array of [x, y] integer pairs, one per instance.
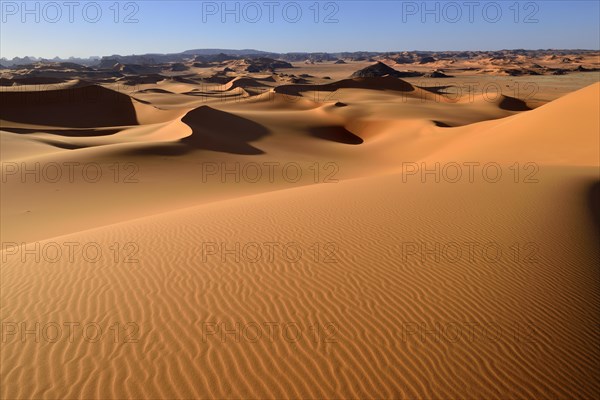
{"points": [[67, 28]]}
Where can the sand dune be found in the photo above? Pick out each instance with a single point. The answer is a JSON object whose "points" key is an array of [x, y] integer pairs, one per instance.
{"points": [[243, 83], [375, 350], [371, 275], [545, 136]]}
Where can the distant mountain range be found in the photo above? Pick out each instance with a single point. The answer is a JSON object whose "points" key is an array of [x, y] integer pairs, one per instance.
{"points": [[211, 52], [210, 55]]}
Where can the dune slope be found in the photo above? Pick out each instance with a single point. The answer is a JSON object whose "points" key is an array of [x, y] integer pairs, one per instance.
{"points": [[383, 283]]}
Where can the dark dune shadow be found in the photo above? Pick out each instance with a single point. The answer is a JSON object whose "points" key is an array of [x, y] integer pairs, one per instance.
{"points": [[214, 95], [65, 132], [155, 90], [507, 103], [142, 79], [221, 131], [378, 83], [218, 79], [337, 134], [436, 89], [594, 204], [36, 80], [62, 145], [442, 124], [513, 104], [77, 107], [267, 79], [141, 101], [246, 82], [212, 130]]}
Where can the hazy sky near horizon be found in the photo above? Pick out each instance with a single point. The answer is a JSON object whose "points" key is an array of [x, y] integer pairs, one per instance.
{"points": [[104, 27]]}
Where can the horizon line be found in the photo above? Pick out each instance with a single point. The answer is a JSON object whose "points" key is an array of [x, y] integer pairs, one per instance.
{"points": [[297, 52]]}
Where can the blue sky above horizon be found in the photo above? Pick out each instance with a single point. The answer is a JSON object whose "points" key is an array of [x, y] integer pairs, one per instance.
{"points": [[48, 29]]}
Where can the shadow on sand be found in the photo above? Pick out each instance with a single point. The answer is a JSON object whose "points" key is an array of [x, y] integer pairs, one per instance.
{"points": [[212, 130], [334, 133]]}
